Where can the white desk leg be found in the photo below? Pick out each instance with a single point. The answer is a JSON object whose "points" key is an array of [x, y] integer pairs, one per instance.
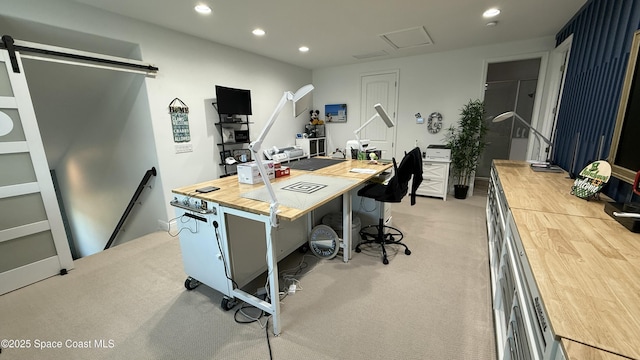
{"points": [[346, 226], [272, 307], [274, 287]]}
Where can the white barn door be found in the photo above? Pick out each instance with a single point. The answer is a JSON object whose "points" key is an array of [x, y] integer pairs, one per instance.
{"points": [[33, 242], [379, 88]]}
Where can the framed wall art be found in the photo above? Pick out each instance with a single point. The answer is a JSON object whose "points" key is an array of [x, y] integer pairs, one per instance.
{"points": [[335, 113]]}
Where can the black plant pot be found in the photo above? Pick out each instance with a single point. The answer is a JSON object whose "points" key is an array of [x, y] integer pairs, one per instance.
{"points": [[460, 191]]}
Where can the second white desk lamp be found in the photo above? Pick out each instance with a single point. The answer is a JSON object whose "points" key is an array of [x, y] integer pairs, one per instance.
{"points": [[257, 144], [382, 113], [510, 114]]}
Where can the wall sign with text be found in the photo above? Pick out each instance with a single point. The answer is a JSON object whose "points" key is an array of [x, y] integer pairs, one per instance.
{"points": [[179, 112]]}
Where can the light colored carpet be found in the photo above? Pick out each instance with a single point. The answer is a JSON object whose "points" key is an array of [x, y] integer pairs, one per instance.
{"points": [[433, 304]]}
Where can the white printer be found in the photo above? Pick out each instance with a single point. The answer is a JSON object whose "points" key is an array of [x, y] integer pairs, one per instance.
{"points": [[437, 152]]}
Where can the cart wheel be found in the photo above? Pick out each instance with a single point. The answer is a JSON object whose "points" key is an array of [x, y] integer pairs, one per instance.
{"points": [[191, 283], [228, 303]]}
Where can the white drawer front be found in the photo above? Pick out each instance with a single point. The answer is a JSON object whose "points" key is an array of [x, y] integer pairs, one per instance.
{"points": [[433, 170], [431, 187]]}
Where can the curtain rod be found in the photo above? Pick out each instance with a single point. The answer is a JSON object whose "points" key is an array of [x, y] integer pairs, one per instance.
{"points": [[12, 45]]}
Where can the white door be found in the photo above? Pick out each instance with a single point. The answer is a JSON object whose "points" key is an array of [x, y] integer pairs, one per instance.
{"points": [[33, 242], [379, 88]]}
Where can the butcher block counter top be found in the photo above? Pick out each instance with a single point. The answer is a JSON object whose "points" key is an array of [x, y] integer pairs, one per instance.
{"points": [[586, 265]]}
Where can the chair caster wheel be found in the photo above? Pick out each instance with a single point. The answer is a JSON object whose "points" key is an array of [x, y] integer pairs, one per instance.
{"points": [[407, 251], [358, 250], [385, 261]]}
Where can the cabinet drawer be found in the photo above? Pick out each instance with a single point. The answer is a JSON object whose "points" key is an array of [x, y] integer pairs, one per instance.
{"points": [[432, 170], [431, 187]]}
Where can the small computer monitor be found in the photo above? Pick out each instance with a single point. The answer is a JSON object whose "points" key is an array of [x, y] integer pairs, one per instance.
{"points": [[231, 101]]}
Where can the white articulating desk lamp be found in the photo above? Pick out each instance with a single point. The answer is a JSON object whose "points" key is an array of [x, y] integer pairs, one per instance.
{"points": [[257, 144], [380, 111], [510, 114], [546, 166]]}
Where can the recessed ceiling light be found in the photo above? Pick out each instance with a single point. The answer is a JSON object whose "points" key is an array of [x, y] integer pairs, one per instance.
{"points": [[258, 32], [303, 49], [491, 13], [203, 9], [492, 23]]}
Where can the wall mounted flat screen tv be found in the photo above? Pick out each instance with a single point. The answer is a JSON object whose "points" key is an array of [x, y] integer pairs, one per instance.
{"points": [[231, 101]]}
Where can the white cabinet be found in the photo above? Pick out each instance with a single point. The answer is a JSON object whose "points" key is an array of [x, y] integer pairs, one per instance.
{"points": [[210, 236], [313, 146], [435, 178], [521, 320], [203, 248]]}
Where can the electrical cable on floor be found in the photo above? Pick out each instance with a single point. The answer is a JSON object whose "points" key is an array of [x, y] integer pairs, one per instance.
{"points": [[251, 319], [287, 276], [224, 261], [266, 330], [182, 219]]}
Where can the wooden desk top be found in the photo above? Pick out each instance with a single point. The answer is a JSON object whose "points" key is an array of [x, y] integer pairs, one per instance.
{"points": [[544, 191], [583, 352], [586, 265], [588, 273], [231, 190]]}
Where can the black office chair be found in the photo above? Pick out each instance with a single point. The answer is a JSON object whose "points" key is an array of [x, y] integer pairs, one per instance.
{"points": [[394, 191]]}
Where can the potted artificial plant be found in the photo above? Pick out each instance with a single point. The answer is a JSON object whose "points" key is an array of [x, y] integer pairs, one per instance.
{"points": [[466, 141]]}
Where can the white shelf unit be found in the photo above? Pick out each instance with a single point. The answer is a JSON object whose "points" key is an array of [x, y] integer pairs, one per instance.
{"points": [[313, 146], [435, 178]]}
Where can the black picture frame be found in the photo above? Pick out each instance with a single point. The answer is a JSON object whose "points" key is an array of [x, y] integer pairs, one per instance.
{"points": [[241, 135], [623, 152], [225, 154]]}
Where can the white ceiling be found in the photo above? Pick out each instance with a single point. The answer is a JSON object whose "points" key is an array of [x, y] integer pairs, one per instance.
{"points": [[338, 30]]}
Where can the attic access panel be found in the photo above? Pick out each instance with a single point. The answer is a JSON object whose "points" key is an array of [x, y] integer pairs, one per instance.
{"points": [[408, 38]]}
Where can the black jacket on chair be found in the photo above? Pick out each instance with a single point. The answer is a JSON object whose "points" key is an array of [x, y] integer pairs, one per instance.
{"points": [[398, 186]]}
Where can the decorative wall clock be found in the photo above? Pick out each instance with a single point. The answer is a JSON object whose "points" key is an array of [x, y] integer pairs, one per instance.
{"points": [[434, 122]]}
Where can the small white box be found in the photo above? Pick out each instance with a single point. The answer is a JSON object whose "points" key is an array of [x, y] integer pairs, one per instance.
{"points": [[248, 173], [437, 152]]}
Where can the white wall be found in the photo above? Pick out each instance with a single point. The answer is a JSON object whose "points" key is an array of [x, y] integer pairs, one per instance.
{"points": [[189, 69], [441, 82]]}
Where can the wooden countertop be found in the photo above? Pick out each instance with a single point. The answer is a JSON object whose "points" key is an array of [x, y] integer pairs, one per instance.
{"points": [[586, 265], [588, 273], [527, 189], [231, 190], [583, 352]]}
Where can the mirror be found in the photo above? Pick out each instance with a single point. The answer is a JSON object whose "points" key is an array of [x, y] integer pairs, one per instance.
{"points": [[623, 155]]}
